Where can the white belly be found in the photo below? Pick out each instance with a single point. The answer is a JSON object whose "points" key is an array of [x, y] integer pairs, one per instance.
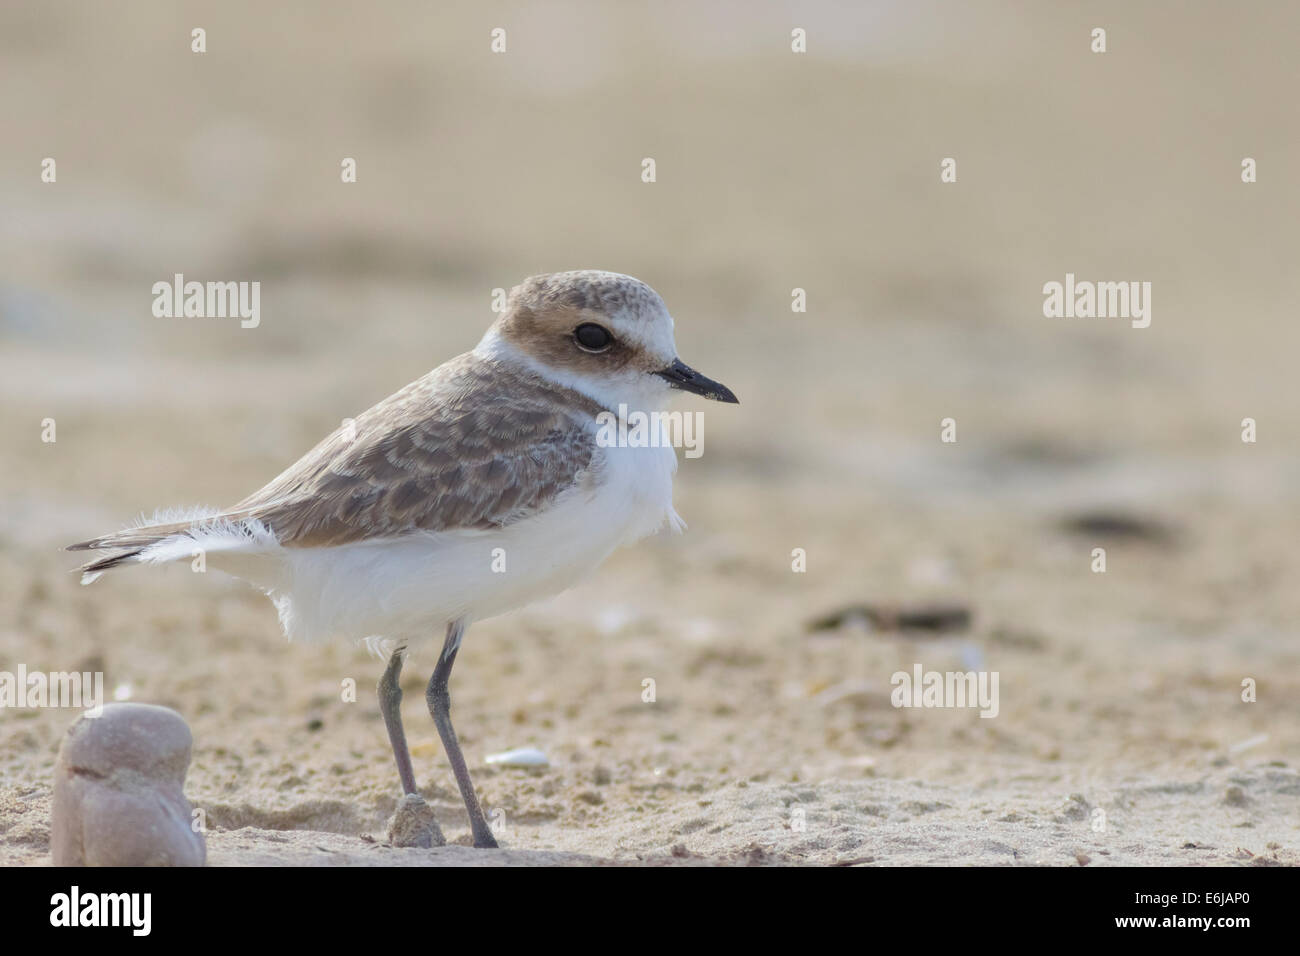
{"points": [[407, 589]]}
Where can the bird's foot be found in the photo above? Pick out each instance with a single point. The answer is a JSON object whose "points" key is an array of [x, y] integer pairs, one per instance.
{"points": [[413, 824]]}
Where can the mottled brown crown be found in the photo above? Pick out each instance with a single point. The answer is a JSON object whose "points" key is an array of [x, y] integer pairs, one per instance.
{"points": [[608, 293]]}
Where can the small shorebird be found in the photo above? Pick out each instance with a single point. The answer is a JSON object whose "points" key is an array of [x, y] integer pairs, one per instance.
{"points": [[395, 526]]}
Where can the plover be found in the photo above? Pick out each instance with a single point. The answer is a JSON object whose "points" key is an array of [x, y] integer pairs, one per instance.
{"points": [[472, 491]]}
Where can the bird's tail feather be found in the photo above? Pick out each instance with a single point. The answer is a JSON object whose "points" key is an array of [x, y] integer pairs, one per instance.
{"points": [[129, 545], [90, 573], [137, 538], [206, 529]]}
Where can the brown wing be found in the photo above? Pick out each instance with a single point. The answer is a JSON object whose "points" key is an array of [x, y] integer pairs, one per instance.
{"points": [[473, 444]]}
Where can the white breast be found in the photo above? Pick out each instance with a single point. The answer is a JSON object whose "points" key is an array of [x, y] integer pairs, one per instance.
{"points": [[407, 589]]}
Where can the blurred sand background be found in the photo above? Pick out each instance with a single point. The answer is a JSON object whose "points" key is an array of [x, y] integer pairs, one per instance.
{"points": [[767, 742]]}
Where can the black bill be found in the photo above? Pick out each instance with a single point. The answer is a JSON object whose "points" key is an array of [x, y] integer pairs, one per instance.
{"points": [[680, 375]]}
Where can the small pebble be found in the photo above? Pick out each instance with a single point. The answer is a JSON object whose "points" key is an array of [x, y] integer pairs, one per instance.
{"points": [[523, 757], [413, 824]]}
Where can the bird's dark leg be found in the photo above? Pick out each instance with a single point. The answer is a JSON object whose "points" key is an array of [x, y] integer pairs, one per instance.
{"points": [[440, 707], [390, 705]]}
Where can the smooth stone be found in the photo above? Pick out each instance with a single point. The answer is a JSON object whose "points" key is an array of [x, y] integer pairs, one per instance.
{"points": [[119, 797]]}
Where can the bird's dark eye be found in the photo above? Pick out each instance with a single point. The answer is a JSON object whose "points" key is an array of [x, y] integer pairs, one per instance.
{"points": [[592, 338]]}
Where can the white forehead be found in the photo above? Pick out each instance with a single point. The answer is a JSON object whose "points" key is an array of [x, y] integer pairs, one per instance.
{"points": [[648, 326]]}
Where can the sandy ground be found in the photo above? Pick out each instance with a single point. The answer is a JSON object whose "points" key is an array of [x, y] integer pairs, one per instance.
{"points": [[1121, 736]]}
